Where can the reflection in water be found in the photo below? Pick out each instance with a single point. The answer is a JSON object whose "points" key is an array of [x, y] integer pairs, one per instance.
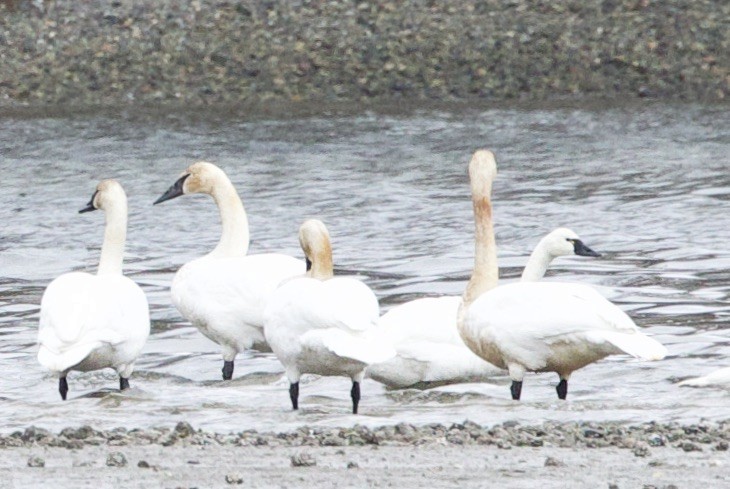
{"points": [[646, 186]]}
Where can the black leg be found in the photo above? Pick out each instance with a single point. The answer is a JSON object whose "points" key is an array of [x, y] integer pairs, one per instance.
{"points": [[63, 387], [516, 390], [355, 394], [227, 370], [562, 389], [294, 395], [123, 383]]}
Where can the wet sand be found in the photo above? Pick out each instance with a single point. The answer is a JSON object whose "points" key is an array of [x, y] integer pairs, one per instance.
{"points": [[366, 466], [460, 455]]}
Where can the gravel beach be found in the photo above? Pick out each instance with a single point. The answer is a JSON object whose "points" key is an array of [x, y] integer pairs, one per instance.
{"points": [[260, 52], [464, 454]]}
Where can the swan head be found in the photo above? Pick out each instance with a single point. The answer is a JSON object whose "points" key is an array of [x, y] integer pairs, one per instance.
{"points": [[564, 241], [108, 192], [482, 170], [198, 178], [315, 242]]}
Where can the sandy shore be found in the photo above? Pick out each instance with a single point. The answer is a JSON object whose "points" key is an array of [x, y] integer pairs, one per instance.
{"points": [[460, 455]]}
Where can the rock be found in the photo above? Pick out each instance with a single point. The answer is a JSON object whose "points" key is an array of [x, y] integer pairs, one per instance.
{"points": [[612, 486], [353, 465], [641, 451], [143, 464], [553, 462], [234, 478], [36, 462], [303, 459], [688, 446], [184, 429], [116, 459]]}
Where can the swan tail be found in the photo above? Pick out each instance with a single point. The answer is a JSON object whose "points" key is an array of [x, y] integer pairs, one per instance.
{"points": [[60, 361], [636, 344], [342, 344], [718, 378], [695, 382]]}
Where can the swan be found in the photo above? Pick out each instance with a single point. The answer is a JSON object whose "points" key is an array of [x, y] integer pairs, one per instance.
{"points": [[537, 326], [321, 324], [89, 322], [224, 293], [718, 378], [430, 351]]}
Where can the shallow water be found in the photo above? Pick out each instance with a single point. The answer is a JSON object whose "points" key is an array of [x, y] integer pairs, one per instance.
{"points": [[648, 186]]}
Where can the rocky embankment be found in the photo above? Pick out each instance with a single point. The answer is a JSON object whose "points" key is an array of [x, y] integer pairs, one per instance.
{"points": [[205, 52]]}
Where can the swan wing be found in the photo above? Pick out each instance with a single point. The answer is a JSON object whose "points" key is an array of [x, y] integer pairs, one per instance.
{"points": [[426, 319], [81, 312], [226, 293], [528, 319]]}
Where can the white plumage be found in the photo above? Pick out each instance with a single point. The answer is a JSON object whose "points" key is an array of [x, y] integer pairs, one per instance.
{"points": [[323, 325], [225, 292], [540, 326], [718, 378], [430, 350], [89, 322]]}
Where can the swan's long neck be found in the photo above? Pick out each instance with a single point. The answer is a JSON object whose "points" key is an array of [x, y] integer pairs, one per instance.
{"points": [[486, 272], [538, 263], [234, 237], [322, 267], [115, 235]]}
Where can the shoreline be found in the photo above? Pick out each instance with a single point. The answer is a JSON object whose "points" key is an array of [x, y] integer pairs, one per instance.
{"points": [[655, 456], [197, 53], [703, 436]]}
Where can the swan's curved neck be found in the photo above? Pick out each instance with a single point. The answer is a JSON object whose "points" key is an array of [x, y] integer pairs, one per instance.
{"points": [[538, 263], [115, 235], [486, 272], [322, 267], [234, 236]]}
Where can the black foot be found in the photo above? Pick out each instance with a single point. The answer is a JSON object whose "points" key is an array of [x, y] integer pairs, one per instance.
{"points": [[227, 370], [355, 394], [123, 383], [63, 387], [516, 390], [562, 389], [294, 395]]}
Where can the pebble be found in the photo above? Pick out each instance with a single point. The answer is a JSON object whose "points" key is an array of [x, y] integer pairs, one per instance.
{"points": [[116, 459], [234, 478], [353, 465], [553, 462], [36, 462], [303, 459]]}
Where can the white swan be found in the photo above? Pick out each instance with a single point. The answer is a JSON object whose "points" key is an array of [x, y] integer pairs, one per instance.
{"points": [[430, 351], [718, 378], [537, 326], [323, 325], [224, 293], [89, 322]]}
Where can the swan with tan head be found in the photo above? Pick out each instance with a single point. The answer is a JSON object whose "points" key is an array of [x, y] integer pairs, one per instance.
{"points": [[225, 292], [90, 322], [424, 332], [537, 326], [321, 324]]}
